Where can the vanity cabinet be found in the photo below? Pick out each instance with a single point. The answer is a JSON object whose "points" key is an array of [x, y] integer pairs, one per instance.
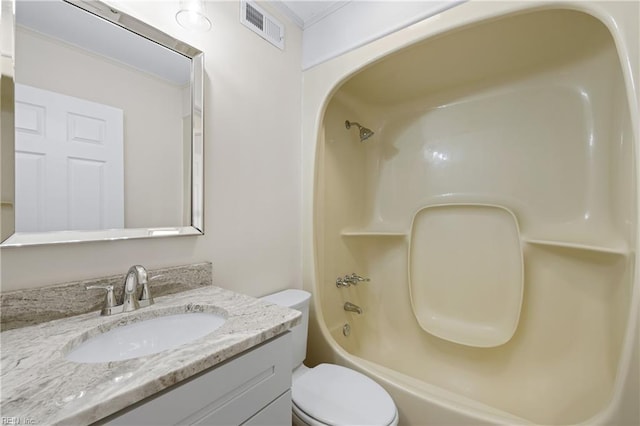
{"points": [[252, 388]]}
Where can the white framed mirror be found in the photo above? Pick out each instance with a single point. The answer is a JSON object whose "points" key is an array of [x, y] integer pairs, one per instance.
{"points": [[107, 143]]}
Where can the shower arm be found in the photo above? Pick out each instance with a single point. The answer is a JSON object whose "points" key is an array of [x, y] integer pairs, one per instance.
{"points": [[348, 124]]}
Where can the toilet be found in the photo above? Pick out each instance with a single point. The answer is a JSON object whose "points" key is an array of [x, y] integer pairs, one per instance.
{"points": [[330, 394]]}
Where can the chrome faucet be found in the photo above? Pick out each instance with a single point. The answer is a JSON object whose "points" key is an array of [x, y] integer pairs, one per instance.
{"points": [[136, 276], [350, 307]]}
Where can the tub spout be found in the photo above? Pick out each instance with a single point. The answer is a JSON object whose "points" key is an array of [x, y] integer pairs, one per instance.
{"points": [[350, 307]]}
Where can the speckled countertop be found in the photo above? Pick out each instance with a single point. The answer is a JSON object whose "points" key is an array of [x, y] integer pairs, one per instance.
{"points": [[39, 386]]}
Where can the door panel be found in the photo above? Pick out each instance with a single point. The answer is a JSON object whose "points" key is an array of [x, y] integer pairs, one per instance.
{"points": [[79, 181]]}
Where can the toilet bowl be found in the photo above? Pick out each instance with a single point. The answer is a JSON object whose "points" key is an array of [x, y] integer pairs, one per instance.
{"points": [[329, 394]]}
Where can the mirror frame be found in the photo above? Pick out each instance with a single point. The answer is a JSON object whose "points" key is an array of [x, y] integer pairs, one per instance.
{"points": [[8, 236]]}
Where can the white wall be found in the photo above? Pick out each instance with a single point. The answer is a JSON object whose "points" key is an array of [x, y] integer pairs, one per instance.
{"points": [[360, 22], [252, 170]]}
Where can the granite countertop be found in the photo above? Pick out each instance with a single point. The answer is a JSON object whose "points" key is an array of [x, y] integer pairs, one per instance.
{"points": [[39, 386]]}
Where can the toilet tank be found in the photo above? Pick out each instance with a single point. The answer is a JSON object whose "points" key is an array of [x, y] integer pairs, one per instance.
{"points": [[298, 300]]}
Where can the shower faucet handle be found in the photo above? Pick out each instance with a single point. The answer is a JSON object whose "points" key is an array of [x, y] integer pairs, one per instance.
{"points": [[342, 282], [349, 280], [355, 278]]}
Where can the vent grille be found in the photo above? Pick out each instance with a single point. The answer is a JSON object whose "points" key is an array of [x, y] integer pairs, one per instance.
{"points": [[260, 22], [254, 17]]}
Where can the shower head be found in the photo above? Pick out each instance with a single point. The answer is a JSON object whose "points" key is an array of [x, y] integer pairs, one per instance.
{"points": [[364, 132]]}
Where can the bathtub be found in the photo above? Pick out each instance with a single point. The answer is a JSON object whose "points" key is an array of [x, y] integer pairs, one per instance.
{"points": [[494, 210]]}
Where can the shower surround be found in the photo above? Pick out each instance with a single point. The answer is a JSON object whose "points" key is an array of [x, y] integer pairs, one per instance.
{"points": [[494, 210]]}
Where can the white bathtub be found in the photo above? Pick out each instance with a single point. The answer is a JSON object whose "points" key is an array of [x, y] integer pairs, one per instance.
{"points": [[490, 107]]}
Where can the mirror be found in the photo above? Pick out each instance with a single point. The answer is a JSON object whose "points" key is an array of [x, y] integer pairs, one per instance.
{"points": [[108, 142]]}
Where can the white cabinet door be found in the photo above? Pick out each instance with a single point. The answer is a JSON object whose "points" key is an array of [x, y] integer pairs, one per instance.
{"points": [[69, 163]]}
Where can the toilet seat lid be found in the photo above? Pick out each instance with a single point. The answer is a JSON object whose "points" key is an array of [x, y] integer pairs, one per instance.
{"points": [[336, 395]]}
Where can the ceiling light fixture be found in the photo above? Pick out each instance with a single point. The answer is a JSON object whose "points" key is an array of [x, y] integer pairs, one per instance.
{"points": [[193, 16]]}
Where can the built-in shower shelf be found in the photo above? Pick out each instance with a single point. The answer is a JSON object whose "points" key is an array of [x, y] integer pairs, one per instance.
{"points": [[372, 233], [618, 249]]}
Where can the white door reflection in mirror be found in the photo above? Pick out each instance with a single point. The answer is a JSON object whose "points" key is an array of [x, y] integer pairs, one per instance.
{"points": [[69, 163]]}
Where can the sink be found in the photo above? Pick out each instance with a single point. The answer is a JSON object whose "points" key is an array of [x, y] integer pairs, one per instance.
{"points": [[145, 337]]}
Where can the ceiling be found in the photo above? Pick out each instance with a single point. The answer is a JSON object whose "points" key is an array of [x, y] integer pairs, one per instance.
{"points": [[306, 13]]}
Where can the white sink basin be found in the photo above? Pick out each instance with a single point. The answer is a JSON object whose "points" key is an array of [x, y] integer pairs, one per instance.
{"points": [[146, 337]]}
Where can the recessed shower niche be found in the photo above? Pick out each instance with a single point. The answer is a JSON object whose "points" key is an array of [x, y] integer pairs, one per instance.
{"points": [[493, 209]]}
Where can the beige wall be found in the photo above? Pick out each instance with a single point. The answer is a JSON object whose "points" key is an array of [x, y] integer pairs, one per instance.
{"points": [[252, 170]]}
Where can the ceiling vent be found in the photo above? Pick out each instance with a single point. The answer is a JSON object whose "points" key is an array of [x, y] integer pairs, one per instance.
{"points": [[255, 18]]}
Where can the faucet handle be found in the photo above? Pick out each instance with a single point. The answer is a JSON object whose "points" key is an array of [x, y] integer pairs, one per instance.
{"points": [[145, 297], [109, 300], [343, 282], [349, 280], [355, 278]]}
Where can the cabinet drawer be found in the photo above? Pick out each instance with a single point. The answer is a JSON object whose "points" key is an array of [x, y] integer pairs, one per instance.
{"points": [[278, 413], [228, 394]]}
